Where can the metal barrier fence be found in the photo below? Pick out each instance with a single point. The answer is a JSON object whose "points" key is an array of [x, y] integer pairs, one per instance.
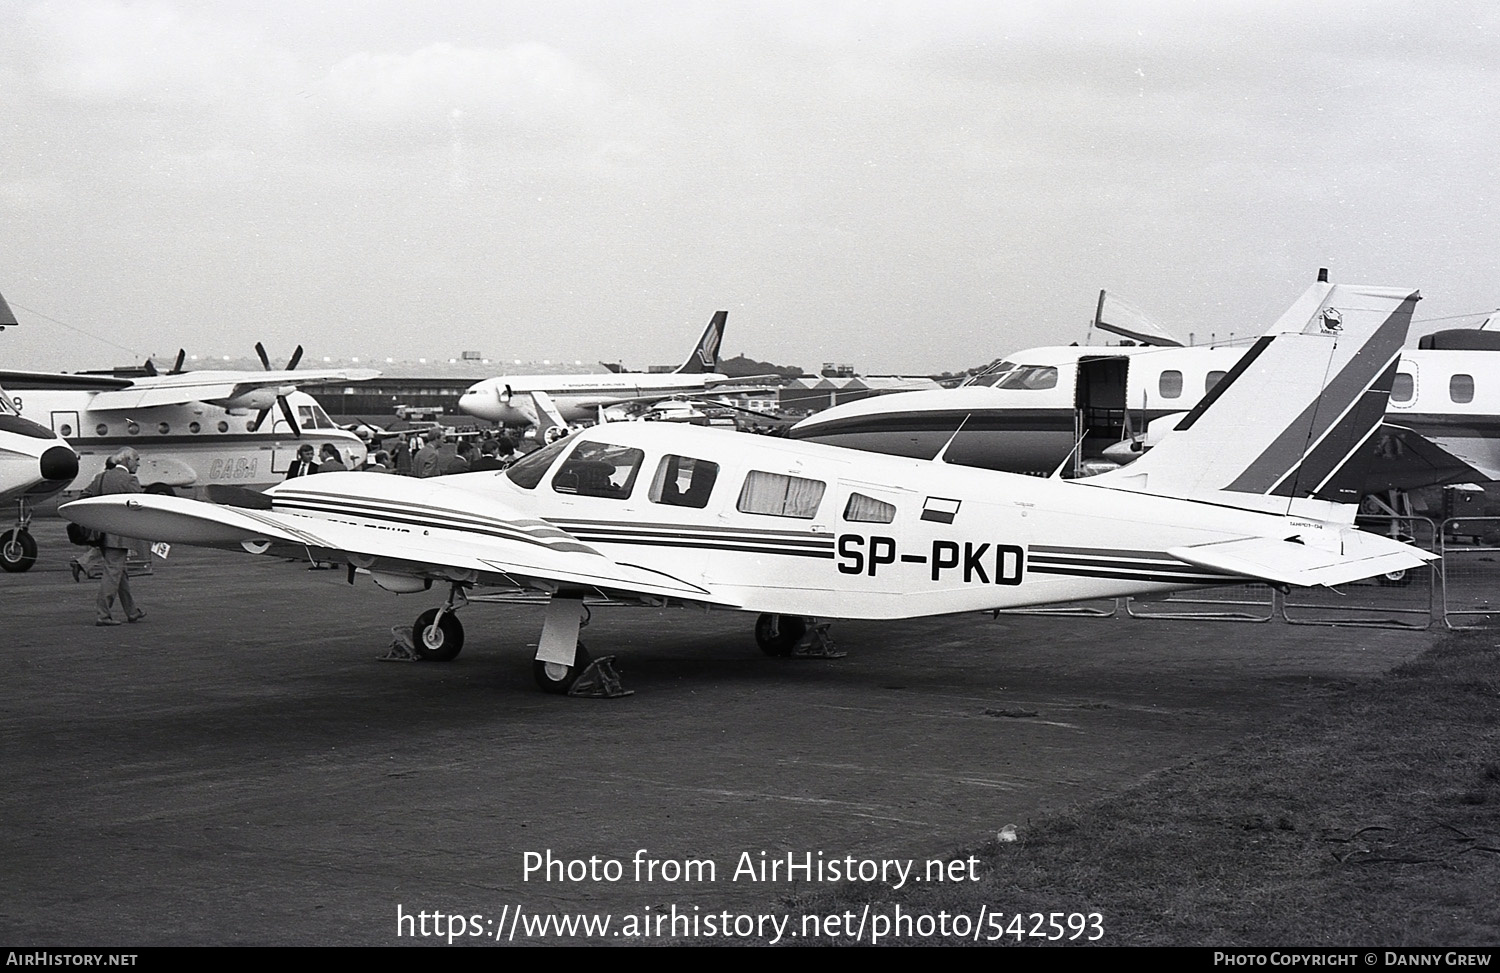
{"points": [[1098, 608], [1402, 599], [1231, 603], [1406, 600], [1471, 572]]}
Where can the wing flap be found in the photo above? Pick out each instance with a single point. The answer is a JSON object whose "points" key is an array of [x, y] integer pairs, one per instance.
{"points": [[1292, 562]]}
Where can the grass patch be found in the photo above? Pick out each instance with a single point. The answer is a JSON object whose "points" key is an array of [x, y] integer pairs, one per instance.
{"points": [[1373, 819]]}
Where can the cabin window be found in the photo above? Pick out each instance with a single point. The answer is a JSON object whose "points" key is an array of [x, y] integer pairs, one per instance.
{"points": [[65, 430], [132, 428], [867, 510], [599, 470], [1403, 387], [194, 427], [1169, 386], [163, 428], [101, 430], [778, 495], [682, 481], [1214, 378], [1461, 388], [223, 426], [528, 471]]}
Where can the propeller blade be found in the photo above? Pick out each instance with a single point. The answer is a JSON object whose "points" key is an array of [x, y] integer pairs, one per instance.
{"points": [[181, 360], [150, 368], [265, 360], [296, 357], [291, 416], [260, 418]]}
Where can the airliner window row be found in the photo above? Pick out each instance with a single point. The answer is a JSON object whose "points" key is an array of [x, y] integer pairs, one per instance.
{"points": [[162, 428], [1460, 388], [1169, 384]]}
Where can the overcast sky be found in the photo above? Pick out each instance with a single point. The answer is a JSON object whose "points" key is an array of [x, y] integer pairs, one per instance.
{"points": [[906, 186]]}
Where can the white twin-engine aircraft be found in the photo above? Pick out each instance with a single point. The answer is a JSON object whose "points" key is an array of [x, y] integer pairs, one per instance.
{"points": [[551, 402], [1258, 483]]}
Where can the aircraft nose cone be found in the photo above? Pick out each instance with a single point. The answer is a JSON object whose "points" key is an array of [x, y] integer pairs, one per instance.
{"points": [[59, 463]]}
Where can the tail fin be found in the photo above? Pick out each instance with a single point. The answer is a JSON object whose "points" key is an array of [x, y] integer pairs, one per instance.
{"points": [[705, 357], [1293, 419]]}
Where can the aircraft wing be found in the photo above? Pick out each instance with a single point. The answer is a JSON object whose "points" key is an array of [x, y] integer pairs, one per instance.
{"points": [[1406, 459], [1291, 562], [61, 381], [511, 552], [217, 386]]}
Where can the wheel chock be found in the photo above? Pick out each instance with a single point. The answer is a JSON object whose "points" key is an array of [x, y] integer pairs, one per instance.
{"points": [[817, 644], [599, 681], [401, 649]]}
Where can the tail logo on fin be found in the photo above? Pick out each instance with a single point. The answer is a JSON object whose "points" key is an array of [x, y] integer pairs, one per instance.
{"points": [[708, 350], [1333, 321], [705, 357]]}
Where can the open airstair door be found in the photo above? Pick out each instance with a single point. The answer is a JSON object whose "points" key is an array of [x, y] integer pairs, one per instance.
{"points": [[1099, 409]]}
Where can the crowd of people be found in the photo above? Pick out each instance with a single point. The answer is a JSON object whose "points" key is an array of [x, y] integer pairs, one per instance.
{"points": [[433, 453]]}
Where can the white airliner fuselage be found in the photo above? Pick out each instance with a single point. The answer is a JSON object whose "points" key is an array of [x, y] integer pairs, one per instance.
{"points": [[507, 400], [1020, 417]]}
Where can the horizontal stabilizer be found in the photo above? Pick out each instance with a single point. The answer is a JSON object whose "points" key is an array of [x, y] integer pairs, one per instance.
{"points": [[1291, 562]]}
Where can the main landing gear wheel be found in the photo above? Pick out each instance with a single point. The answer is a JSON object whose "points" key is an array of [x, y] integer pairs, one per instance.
{"points": [[1396, 579], [17, 550], [437, 643], [778, 635], [556, 678]]}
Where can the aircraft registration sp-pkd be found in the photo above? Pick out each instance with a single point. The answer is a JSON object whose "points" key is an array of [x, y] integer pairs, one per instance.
{"points": [[656, 512]]}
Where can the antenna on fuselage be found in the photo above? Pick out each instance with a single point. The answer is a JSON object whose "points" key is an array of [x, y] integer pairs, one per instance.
{"points": [[942, 454]]}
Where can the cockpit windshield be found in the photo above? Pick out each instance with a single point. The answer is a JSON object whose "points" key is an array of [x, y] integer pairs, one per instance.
{"points": [[528, 471], [313, 417], [1008, 375]]}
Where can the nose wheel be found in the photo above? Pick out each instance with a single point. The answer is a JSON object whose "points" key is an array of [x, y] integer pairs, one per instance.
{"points": [[438, 635], [17, 550]]}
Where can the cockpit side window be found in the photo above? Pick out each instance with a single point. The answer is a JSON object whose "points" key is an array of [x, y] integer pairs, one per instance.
{"points": [[599, 470], [528, 471], [779, 495], [682, 481]]}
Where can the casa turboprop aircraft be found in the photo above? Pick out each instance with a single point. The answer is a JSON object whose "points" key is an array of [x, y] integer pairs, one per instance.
{"points": [[192, 428], [552, 402], [1102, 406], [1254, 485]]}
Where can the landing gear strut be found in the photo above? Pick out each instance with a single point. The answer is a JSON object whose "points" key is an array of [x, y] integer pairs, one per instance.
{"points": [[562, 665], [17, 546], [1396, 508], [438, 635]]}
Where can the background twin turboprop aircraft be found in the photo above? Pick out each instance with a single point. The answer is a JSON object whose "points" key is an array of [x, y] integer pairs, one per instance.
{"points": [[1258, 482]]}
